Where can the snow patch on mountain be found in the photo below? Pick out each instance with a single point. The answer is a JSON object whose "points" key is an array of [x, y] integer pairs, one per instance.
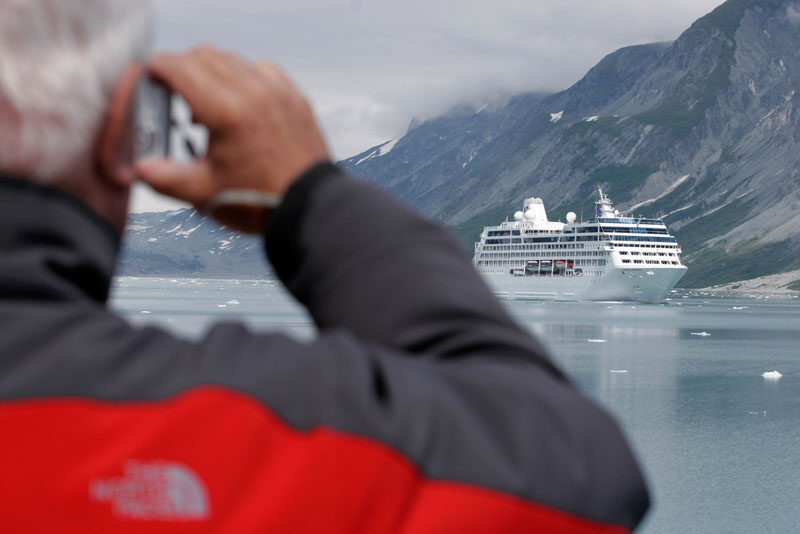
{"points": [[380, 150]]}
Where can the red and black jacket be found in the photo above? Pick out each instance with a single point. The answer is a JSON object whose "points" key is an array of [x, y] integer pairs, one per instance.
{"points": [[420, 407]]}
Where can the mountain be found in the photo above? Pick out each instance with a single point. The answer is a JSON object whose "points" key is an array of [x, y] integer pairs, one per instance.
{"points": [[704, 130], [184, 243]]}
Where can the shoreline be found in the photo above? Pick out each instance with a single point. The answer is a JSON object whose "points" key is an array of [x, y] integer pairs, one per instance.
{"points": [[774, 285]]}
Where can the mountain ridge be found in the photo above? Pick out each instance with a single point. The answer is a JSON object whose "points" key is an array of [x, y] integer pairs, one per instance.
{"points": [[704, 129], [712, 115]]}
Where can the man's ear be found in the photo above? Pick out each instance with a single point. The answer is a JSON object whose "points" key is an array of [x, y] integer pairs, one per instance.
{"points": [[114, 148]]}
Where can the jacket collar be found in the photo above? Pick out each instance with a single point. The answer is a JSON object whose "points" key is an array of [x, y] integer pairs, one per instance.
{"points": [[52, 246]]}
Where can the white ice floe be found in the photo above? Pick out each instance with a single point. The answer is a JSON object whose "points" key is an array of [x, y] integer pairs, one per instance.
{"points": [[232, 301], [771, 375], [703, 333], [739, 308], [619, 370], [144, 311], [592, 118], [222, 305], [595, 340], [555, 117], [152, 239]]}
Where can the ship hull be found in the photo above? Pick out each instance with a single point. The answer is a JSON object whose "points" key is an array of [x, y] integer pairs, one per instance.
{"points": [[613, 284]]}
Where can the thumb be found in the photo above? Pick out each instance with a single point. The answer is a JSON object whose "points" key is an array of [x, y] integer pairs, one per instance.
{"points": [[188, 182]]}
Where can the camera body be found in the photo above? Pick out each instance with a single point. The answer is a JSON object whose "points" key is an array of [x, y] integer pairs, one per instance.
{"points": [[163, 124], [152, 119]]}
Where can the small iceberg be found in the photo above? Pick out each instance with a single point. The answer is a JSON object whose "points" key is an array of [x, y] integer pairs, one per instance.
{"points": [[232, 301], [703, 333], [144, 311], [222, 305], [739, 308], [771, 375], [619, 370], [595, 340]]}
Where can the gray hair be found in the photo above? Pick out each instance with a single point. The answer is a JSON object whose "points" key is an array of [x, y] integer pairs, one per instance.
{"points": [[59, 61]]}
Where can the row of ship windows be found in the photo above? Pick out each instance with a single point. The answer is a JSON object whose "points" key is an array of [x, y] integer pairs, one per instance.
{"points": [[572, 238], [565, 274], [652, 262], [636, 253], [569, 247], [501, 263], [631, 220], [536, 254], [585, 230]]}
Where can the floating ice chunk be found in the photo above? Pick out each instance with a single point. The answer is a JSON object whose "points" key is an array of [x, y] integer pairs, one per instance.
{"points": [[595, 340], [555, 117], [619, 370], [739, 308], [703, 333], [232, 301], [592, 118], [222, 305], [771, 375], [144, 311]]}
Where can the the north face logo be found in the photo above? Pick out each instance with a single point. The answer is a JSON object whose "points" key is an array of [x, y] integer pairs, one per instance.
{"points": [[157, 490]]}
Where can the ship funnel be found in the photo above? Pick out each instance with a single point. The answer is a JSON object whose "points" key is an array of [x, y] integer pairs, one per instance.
{"points": [[534, 210]]}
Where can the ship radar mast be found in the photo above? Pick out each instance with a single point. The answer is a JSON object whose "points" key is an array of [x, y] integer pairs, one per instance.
{"points": [[603, 206]]}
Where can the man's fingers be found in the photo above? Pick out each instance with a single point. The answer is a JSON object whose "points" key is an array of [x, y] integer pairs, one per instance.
{"points": [[192, 183], [189, 76]]}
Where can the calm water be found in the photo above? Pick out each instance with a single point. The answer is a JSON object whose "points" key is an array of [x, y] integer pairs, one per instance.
{"points": [[720, 445]]}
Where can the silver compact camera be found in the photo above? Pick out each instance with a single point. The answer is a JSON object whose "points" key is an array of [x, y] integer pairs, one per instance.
{"points": [[164, 127], [153, 119]]}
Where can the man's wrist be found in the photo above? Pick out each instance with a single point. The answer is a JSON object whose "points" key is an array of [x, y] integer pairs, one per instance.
{"points": [[282, 234]]}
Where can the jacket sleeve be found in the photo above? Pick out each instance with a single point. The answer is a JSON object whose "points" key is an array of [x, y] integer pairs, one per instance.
{"points": [[473, 397], [360, 261]]}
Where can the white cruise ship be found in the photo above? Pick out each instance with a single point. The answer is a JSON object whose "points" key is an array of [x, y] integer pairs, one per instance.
{"points": [[610, 257]]}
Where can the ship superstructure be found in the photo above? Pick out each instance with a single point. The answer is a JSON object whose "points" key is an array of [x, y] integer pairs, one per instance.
{"points": [[609, 257]]}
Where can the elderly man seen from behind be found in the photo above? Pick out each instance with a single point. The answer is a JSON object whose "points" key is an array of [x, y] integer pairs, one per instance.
{"points": [[419, 407]]}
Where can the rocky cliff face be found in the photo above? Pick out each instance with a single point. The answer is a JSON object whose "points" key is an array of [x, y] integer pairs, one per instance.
{"points": [[704, 130]]}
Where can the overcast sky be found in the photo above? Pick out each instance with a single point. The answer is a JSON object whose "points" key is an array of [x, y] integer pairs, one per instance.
{"points": [[370, 66]]}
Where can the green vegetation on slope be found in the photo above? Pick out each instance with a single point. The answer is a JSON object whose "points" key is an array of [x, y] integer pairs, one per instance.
{"points": [[692, 236], [619, 181], [747, 260]]}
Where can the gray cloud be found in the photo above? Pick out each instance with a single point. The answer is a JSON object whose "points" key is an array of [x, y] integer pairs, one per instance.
{"points": [[370, 66]]}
